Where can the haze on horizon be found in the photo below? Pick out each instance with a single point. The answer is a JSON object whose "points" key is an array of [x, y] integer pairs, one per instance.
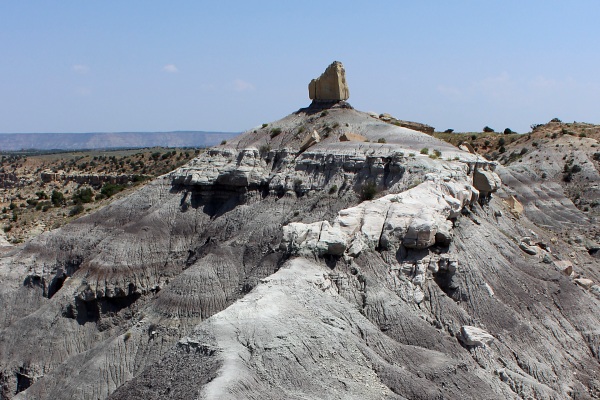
{"points": [[231, 65]]}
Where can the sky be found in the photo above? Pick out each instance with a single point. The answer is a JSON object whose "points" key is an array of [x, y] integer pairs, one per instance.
{"points": [[116, 66]]}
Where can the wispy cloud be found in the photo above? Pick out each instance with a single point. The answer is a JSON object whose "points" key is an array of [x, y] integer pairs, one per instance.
{"points": [[80, 68], [240, 85], [171, 68]]}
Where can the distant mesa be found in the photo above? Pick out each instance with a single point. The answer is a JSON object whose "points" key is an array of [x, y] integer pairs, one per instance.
{"points": [[331, 86]]}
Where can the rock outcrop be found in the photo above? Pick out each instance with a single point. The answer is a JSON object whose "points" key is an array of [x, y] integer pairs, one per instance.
{"points": [[331, 86]]}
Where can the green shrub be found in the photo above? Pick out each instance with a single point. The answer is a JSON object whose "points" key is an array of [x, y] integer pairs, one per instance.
{"points": [[381, 140], [368, 191], [508, 131], [57, 198], [275, 132], [264, 149], [110, 189], [265, 125], [424, 150], [333, 189], [501, 142], [77, 209], [83, 196], [488, 129]]}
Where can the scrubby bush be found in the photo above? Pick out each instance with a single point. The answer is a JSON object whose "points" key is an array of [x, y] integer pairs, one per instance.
{"points": [[83, 196], [333, 189], [110, 189], [264, 149], [535, 126], [368, 191], [501, 142], [77, 209], [275, 132], [488, 129], [424, 150], [449, 131], [381, 140], [57, 198], [508, 131]]}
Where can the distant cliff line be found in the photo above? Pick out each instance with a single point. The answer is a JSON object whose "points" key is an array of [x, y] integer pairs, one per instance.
{"points": [[110, 140]]}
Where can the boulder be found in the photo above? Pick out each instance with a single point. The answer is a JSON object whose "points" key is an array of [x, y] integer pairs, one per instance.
{"points": [[352, 137], [310, 140], [472, 336], [528, 249], [486, 182], [584, 283], [564, 266], [330, 86]]}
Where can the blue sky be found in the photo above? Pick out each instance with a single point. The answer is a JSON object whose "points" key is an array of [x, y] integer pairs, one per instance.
{"points": [[74, 66]]}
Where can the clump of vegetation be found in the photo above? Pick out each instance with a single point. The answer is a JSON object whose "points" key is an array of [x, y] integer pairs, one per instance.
{"points": [[223, 142], [82, 196], [333, 189], [77, 209], [57, 198], [275, 132], [487, 129], [264, 149], [381, 140], [424, 150], [449, 131], [325, 113], [508, 131], [436, 154], [368, 191], [110, 189], [535, 126], [265, 125], [555, 120]]}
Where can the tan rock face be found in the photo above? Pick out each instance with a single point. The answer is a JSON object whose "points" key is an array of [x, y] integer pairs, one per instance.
{"points": [[331, 85]]}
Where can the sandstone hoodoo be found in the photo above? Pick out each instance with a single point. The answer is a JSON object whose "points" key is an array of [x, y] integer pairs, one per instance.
{"points": [[328, 254], [331, 86]]}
